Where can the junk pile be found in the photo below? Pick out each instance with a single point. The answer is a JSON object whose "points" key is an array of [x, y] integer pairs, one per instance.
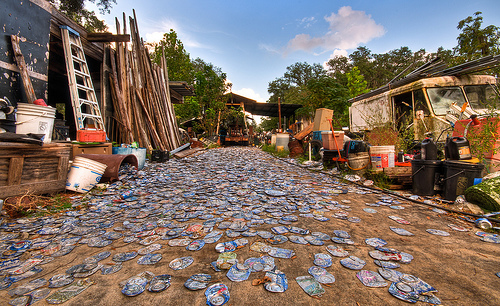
{"points": [[141, 94]]}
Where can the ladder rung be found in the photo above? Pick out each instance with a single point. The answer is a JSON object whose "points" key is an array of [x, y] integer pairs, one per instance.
{"points": [[90, 116], [84, 101], [77, 59], [82, 87], [81, 74]]}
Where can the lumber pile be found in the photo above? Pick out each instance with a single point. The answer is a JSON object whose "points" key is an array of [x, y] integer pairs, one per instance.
{"points": [[140, 94]]}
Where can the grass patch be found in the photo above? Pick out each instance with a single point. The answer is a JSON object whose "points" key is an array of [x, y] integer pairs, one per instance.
{"points": [[379, 178], [35, 205], [272, 150]]}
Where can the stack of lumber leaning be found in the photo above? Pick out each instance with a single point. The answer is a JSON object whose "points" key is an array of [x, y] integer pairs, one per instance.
{"points": [[141, 94]]}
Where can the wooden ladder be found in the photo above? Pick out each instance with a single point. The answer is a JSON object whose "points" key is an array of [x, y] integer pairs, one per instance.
{"points": [[85, 105]]}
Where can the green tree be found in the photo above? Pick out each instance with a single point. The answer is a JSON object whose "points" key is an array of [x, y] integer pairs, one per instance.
{"points": [[475, 42], [179, 65], [338, 67], [356, 83], [269, 123], [75, 9], [210, 86], [296, 75]]}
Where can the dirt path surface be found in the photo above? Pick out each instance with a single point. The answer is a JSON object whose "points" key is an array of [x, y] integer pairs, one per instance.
{"points": [[254, 192]]}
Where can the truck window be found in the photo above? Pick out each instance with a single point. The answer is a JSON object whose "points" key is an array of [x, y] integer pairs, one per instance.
{"points": [[442, 97], [419, 102], [480, 96]]}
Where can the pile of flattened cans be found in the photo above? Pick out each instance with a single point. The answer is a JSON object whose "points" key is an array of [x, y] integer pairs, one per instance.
{"points": [[192, 203]]}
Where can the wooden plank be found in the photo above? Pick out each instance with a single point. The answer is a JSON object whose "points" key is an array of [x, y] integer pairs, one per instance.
{"points": [[107, 37], [15, 170], [185, 153], [302, 134], [44, 187], [21, 63]]}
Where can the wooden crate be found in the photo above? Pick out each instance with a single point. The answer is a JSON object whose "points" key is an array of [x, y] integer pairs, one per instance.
{"points": [[401, 174], [26, 168], [101, 148]]}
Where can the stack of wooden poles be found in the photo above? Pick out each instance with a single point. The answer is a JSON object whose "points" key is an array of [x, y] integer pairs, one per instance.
{"points": [[141, 95]]}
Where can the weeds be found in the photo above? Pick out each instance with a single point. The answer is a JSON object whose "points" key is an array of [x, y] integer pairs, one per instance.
{"points": [[34, 205]]}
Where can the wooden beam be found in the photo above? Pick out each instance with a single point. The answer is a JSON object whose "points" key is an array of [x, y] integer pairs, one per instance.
{"points": [[107, 37], [23, 68]]}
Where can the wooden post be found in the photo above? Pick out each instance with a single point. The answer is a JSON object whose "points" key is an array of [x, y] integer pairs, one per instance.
{"points": [[21, 63], [279, 114]]}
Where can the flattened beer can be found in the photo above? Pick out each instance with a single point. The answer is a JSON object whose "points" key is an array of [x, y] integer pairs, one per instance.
{"points": [[483, 223]]}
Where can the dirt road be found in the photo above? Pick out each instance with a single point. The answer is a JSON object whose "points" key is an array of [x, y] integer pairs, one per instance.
{"points": [[247, 185]]}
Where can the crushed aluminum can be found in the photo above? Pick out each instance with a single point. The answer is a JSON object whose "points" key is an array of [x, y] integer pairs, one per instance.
{"points": [[198, 281], [321, 275], [278, 282], [149, 259], [181, 263], [371, 279], [226, 260], [195, 245], [353, 263], [135, 286], [337, 251], [217, 294], [322, 260], [483, 223], [281, 253], [120, 257], [60, 280], [310, 285], [238, 272], [111, 268], [159, 283]]}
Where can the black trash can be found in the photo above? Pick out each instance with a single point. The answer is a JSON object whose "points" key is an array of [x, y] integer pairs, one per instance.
{"points": [[458, 177], [425, 176]]}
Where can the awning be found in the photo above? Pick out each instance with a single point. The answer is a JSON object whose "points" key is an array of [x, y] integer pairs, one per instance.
{"points": [[261, 108]]}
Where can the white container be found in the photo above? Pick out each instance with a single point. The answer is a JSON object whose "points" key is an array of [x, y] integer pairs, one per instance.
{"points": [[35, 119], [84, 174], [282, 140], [273, 139], [382, 156]]}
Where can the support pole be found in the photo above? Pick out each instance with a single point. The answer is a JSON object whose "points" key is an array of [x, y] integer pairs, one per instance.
{"points": [[279, 114]]}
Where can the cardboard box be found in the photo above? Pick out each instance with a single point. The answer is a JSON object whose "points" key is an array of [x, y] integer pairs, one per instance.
{"points": [[321, 117]]}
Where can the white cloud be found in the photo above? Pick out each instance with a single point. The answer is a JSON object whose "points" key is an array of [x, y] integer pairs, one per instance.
{"points": [[307, 22], [269, 48], [249, 93], [347, 30]]}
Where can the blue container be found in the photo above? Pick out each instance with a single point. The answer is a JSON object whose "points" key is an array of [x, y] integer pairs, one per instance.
{"points": [[317, 135], [140, 153]]}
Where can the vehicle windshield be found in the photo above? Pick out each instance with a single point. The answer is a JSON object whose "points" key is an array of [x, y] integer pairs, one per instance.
{"points": [[481, 96], [441, 98]]}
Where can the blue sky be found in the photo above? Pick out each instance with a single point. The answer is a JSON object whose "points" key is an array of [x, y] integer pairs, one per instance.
{"points": [[254, 41]]}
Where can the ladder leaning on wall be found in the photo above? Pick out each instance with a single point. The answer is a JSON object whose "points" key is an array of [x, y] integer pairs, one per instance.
{"points": [[88, 119]]}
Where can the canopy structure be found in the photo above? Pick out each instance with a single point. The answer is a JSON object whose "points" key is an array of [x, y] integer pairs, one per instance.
{"points": [[261, 108]]}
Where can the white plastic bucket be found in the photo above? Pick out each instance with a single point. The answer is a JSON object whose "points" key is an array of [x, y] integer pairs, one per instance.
{"points": [[84, 174], [282, 140], [273, 139], [382, 156], [35, 119]]}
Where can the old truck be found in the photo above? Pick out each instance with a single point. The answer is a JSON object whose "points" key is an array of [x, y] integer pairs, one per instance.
{"points": [[423, 104]]}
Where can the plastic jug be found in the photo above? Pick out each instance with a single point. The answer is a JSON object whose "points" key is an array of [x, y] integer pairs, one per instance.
{"points": [[428, 149]]}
